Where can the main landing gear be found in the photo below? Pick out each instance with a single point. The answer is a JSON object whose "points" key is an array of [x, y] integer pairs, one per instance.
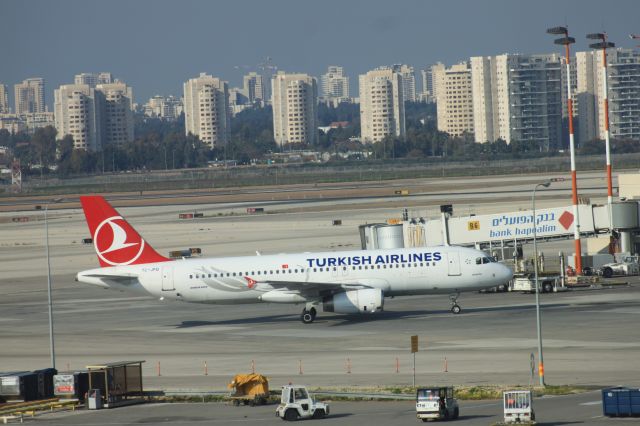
{"points": [[455, 308], [308, 315]]}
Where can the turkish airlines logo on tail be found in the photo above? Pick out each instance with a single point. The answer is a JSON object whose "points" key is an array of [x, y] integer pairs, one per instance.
{"points": [[117, 243]]}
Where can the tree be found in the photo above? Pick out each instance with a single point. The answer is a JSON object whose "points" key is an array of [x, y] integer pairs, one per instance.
{"points": [[65, 149], [44, 143]]}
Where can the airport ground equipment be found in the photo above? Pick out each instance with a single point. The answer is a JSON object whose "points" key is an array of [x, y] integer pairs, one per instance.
{"points": [[27, 385], [518, 407], [249, 389], [296, 403], [436, 403], [628, 265], [72, 384], [526, 283], [621, 402], [119, 383]]}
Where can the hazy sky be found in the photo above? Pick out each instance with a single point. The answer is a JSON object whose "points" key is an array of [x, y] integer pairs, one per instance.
{"points": [[156, 45]]}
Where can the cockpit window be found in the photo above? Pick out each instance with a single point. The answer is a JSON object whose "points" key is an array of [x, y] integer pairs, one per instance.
{"points": [[483, 260], [478, 260]]}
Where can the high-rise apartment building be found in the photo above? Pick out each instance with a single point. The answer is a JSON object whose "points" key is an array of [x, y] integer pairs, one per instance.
{"points": [[168, 108], [408, 81], [518, 98], [335, 85], [587, 95], [428, 93], [454, 98], [29, 96], [206, 108], [93, 79], [77, 113], [381, 105], [294, 98], [117, 118], [4, 99], [623, 93], [254, 89], [94, 117]]}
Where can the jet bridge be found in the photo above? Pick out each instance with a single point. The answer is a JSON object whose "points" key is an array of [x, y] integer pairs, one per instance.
{"points": [[513, 229]]}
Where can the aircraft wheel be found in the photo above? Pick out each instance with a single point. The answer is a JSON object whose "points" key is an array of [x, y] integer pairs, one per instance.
{"points": [[607, 272], [307, 317], [456, 309], [313, 313]]}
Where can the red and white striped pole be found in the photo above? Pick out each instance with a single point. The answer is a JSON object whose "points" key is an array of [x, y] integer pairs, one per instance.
{"points": [[605, 101], [604, 45], [574, 178], [566, 41]]}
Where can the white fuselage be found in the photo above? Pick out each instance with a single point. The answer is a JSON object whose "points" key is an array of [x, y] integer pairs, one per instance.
{"points": [[397, 272]]}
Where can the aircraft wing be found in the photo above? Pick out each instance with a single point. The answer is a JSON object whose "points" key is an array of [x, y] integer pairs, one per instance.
{"points": [[120, 278], [313, 289]]}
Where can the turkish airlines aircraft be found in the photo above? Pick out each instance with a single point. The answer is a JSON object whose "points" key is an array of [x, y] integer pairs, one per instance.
{"points": [[345, 282]]}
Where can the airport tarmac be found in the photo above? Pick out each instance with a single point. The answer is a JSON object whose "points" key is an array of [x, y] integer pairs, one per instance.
{"points": [[557, 410], [590, 336]]}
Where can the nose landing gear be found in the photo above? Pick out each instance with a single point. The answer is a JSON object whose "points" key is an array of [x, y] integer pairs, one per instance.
{"points": [[455, 308]]}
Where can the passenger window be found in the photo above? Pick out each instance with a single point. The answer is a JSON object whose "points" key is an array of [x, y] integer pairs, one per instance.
{"points": [[290, 271], [315, 269], [190, 276], [335, 269], [277, 271], [209, 275], [344, 268]]}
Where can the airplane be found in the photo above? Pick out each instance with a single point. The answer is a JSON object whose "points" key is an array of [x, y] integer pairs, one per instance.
{"points": [[346, 282]]}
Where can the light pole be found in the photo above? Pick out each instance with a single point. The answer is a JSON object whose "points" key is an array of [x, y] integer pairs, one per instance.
{"points": [[603, 45], [535, 269], [52, 350]]}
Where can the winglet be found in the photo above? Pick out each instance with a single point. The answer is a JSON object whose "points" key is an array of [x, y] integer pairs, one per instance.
{"points": [[115, 241]]}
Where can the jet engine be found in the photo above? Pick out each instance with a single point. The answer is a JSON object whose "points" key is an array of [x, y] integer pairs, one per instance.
{"points": [[355, 301]]}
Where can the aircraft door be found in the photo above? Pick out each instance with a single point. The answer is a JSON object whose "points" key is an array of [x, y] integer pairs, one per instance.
{"points": [[167, 278], [454, 263]]}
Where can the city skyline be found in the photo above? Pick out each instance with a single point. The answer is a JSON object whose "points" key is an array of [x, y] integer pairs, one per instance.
{"points": [[304, 40]]}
